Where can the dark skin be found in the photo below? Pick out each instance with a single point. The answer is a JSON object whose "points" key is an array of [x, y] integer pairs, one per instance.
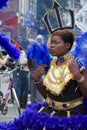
{"points": [[59, 48], [30, 64]]}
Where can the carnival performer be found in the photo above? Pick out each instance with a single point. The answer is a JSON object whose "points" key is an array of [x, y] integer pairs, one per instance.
{"points": [[65, 84], [64, 88]]}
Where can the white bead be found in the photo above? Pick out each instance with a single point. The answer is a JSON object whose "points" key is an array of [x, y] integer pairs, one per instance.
{"points": [[81, 80]]}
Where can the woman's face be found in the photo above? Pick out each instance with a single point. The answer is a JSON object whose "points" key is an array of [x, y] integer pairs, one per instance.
{"points": [[58, 47]]}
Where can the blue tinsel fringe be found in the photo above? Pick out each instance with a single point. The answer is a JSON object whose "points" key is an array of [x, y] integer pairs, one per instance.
{"points": [[5, 43], [33, 120]]}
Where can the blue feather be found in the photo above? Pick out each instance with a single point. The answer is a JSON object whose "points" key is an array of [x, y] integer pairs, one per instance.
{"points": [[3, 3], [39, 55], [5, 43], [80, 49], [31, 119]]}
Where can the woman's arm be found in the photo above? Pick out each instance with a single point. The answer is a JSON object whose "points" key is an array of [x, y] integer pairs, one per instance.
{"points": [[83, 84], [31, 64], [80, 76], [41, 88], [41, 70]]}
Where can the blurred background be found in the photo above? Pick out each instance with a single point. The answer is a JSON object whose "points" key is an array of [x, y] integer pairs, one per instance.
{"points": [[24, 17]]}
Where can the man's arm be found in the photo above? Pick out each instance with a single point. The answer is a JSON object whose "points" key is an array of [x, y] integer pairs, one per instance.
{"points": [[4, 61]]}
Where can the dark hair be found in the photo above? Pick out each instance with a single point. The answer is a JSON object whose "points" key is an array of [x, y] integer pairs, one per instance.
{"points": [[66, 35]]}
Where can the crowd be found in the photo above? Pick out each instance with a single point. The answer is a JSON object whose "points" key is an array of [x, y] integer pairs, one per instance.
{"points": [[35, 53]]}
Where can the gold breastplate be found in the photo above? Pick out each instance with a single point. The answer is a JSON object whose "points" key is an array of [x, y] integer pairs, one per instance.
{"points": [[57, 78]]}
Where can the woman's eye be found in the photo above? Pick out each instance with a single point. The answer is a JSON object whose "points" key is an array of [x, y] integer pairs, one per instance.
{"points": [[54, 42], [51, 42]]}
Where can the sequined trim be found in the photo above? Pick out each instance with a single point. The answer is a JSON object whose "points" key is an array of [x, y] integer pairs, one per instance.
{"points": [[64, 105]]}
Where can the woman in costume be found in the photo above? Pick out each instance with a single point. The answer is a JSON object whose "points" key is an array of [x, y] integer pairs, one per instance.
{"points": [[36, 116], [65, 83], [64, 89]]}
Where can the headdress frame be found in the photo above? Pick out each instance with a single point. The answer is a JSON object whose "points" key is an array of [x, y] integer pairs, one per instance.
{"points": [[56, 9]]}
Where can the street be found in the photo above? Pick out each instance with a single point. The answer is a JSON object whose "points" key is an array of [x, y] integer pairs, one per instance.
{"points": [[12, 111], [11, 114]]}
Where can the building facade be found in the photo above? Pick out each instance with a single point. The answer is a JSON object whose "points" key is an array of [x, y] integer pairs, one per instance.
{"points": [[27, 15], [9, 20]]}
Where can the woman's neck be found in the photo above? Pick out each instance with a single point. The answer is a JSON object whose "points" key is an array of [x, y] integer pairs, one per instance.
{"points": [[63, 59]]}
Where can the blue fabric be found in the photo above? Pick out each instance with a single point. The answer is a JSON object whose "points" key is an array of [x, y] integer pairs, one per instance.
{"points": [[23, 84], [16, 82], [5, 43], [20, 82], [3, 3], [39, 54]]}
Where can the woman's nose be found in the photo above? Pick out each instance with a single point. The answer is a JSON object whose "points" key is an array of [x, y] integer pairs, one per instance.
{"points": [[52, 45]]}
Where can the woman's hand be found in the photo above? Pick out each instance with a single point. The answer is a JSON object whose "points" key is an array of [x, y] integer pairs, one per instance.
{"points": [[4, 60], [75, 70], [8, 57], [41, 70]]}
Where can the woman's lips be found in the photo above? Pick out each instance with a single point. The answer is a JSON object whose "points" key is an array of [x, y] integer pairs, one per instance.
{"points": [[51, 51]]}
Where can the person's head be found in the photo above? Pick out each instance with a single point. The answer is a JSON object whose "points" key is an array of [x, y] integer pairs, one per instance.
{"points": [[40, 38], [25, 44], [61, 42], [19, 39]]}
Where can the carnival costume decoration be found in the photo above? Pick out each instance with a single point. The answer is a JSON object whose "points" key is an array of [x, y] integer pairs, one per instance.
{"points": [[5, 43], [3, 3], [40, 55], [80, 50], [33, 119], [56, 8]]}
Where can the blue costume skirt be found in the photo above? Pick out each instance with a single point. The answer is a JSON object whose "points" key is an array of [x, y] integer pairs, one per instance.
{"points": [[32, 119]]}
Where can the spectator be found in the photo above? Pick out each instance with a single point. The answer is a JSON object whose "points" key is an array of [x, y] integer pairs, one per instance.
{"points": [[23, 80], [20, 76]]}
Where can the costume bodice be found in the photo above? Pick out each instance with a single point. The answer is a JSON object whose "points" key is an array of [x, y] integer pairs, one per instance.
{"points": [[60, 82]]}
